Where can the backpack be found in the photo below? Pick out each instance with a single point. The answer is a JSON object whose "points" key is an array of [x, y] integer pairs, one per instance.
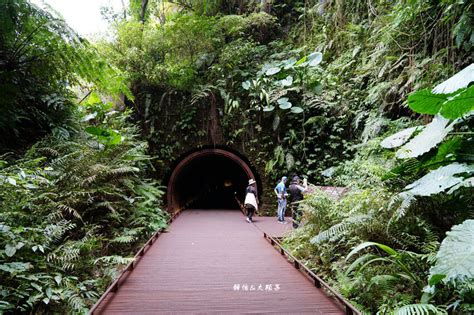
{"points": [[295, 193]]}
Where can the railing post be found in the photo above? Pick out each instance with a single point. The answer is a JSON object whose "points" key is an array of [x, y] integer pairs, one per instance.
{"points": [[297, 264], [114, 287], [317, 284]]}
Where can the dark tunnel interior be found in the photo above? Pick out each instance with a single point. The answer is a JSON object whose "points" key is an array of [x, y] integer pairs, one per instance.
{"points": [[210, 182]]}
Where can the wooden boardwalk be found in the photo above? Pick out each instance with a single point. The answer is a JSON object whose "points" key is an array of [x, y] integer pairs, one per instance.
{"points": [[272, 227], [210, 262]]}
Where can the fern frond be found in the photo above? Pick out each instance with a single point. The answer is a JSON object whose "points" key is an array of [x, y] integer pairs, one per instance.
{"points": [[339, 229], [404, 200], [123, 239], [419, 309], [61, 162], [69, 210], [76, 302], [114, 260], [55, 232], [384, 282], [49, 151], [121, 172]]}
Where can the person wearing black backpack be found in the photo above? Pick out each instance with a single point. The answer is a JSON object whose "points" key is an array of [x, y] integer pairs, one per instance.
{"points": [[296, 195]]}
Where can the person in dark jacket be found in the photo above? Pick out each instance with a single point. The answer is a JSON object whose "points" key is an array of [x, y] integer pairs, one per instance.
{"points": [[296, 195], [251, 200]]}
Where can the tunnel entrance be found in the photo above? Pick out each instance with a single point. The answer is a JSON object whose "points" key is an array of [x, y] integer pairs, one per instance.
{"points": [[208, 179]]}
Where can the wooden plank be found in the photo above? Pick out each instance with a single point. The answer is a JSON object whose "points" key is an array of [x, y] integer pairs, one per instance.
{"points": [[197, 266]]}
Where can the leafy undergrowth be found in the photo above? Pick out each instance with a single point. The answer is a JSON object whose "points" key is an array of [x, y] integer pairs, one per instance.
{"points": [[401, 240], [73, 211]]}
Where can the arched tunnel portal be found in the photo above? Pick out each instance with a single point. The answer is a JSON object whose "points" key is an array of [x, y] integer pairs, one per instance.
{"points": [[209, 179]]}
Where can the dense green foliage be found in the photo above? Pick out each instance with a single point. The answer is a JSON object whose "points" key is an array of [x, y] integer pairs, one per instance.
{"points": [[74, 195], [310, 87], [404, 222], [41, 58], [72, 211], [212, 64], [341, 91]]}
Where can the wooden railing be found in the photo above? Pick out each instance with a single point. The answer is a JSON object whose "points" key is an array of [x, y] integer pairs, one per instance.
{"points": [[318, 282]]}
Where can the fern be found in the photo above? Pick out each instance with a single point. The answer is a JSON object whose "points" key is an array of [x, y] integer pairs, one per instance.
{"points": [[337, 230], [384, 282], [113, 260], [419, 309], [55, 232], [404, 200]]}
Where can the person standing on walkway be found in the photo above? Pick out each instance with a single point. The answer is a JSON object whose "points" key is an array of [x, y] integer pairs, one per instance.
{"points": [[296, 195], [280, 191], [251, 200]]}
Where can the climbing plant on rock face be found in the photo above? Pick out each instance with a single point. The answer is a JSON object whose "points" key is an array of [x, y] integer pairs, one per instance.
{"points": [[276, 80], [287, 91]]}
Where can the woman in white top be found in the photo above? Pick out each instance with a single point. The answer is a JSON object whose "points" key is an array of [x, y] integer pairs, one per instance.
{"points": [[251, 199]]}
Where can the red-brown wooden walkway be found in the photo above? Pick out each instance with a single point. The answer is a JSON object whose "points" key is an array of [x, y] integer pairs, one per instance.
{"points": [[202, 265]]}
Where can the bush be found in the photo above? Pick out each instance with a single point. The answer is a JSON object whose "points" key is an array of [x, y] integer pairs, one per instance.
{"points": [[72, 212]]}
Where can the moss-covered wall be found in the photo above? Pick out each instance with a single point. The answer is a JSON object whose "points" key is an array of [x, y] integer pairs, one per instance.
{"points": [[174, 127]]}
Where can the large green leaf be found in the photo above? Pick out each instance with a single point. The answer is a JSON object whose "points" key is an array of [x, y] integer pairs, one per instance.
{"points": [[439, 180], [455, 257], [106, 136], [94, 98], [430, 137], [468, 182], [425, 102], [288, 81], [10, 250], [272, 71], [301, 61], [459, 105], [287, 64], [451, 106], [296, 110], [15, 267], [447, 151], [364, 245]]}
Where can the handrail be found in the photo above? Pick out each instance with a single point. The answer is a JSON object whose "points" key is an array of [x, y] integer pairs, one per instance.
{"points": [[318, 282], [241, 205], [113, 287]]}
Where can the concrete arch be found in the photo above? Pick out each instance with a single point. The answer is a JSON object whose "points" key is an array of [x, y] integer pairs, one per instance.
{"points": [[215, 157]]}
